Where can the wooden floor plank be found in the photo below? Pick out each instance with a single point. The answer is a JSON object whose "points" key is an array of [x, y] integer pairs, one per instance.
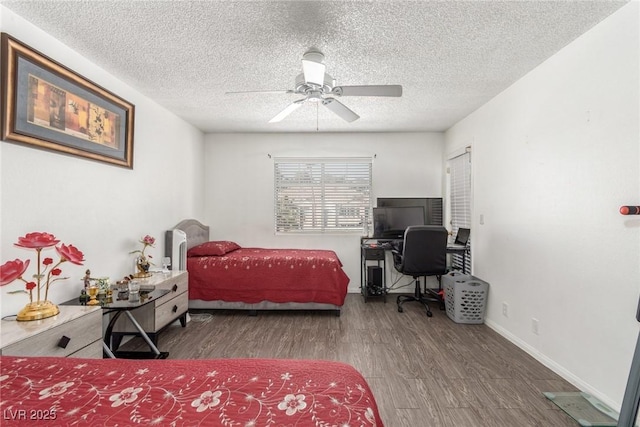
{"points": [[423, 371]]}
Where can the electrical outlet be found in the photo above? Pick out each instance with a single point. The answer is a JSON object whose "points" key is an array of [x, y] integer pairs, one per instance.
{"points": [[505, 309], [535, 326]]}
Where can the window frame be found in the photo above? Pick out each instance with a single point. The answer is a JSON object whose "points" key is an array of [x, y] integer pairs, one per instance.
{"points": [[339, 182], [460, 203]]}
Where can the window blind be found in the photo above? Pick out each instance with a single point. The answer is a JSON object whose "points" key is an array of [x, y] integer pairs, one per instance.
{"points": [[460, 176], [322, 195]]}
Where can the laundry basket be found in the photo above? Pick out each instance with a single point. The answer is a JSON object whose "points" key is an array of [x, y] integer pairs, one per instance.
{"points": [[465, 297]]}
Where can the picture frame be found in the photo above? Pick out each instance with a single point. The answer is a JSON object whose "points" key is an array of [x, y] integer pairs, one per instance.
{"points": [[49, 106]]}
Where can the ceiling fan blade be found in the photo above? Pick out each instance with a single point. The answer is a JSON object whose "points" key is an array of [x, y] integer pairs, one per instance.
{"points": [[372, 90], [258, 91], [290, 109], [340, 109], [313, 67]]}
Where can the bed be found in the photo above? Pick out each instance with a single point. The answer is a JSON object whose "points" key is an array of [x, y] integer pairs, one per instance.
{"points": [[223, 275], [217, 392]]}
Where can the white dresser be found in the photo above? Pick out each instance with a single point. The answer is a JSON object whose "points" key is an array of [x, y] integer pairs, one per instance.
{"points": [[164, 311], [74, 332]]}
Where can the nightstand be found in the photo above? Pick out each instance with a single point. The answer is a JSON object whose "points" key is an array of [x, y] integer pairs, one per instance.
{"points": [[74, 332], [153, 318]]}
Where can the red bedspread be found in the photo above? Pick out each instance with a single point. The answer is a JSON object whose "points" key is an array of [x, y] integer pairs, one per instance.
{"points": [[252, 275], [218, 392]]}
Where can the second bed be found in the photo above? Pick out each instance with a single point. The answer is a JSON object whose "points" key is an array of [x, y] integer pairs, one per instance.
{"points": [[223, 275]]}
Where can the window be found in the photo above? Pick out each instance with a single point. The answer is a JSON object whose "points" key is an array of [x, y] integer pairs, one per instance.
{"points": [[460, 169], [322, 195]]}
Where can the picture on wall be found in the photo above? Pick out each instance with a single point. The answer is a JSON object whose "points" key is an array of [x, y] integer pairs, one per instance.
{"points": [[47, 105]]}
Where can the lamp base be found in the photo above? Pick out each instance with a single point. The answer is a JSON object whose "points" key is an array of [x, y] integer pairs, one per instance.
{"points": [[37, 310]]}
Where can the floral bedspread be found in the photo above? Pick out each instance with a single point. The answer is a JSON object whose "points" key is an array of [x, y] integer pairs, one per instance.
{"points": [[217, 392], [252, 275]]}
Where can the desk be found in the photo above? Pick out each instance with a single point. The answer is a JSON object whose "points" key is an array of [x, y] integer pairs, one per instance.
{"points": [[372, 249], [128, 307], [460, 250]]}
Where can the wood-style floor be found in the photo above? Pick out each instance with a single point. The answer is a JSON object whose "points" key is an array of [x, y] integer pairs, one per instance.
{"points": [[423, 371]]}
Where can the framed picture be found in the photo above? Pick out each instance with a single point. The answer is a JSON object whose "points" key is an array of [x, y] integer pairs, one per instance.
{"points": [[45, 104]]}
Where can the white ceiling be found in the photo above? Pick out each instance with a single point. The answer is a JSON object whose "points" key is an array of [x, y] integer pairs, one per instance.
{"points": [[451, 57]]}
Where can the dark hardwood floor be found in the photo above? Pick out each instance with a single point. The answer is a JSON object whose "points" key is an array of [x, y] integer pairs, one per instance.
{"points": [[423, 371]]}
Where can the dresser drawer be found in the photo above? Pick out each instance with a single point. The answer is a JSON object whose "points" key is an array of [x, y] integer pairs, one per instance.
{"points": [[176, 285], [81, 332], [171, 310]]}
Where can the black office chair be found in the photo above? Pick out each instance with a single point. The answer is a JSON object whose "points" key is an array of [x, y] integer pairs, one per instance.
{"points": [[424, 253]]}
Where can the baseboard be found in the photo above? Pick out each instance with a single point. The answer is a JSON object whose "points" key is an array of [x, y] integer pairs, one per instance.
{"points": [[549, 363]]}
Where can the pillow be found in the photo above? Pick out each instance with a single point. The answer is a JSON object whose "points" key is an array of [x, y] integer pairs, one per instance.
{"points": [[214, 248]]}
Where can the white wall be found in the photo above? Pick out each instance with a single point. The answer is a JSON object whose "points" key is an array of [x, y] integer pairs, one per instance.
{"points": [[554, 157], [239, 182], [101, 209]]}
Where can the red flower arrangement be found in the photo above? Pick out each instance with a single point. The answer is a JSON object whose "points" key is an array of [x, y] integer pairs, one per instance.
{"points": [[15, 270]]}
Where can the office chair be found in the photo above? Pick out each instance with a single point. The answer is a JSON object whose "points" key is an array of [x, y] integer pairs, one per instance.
{"points": [[424, 253]]}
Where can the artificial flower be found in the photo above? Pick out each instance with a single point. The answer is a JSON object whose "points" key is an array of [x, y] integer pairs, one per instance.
{"points": [[70, 253], [12, 270], [47, 272], [37, 240], [146, 242]]}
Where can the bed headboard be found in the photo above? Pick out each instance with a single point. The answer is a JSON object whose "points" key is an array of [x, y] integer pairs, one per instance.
{"points": [[184, 236]]}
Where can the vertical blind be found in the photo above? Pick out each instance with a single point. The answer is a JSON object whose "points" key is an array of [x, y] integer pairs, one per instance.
{"points": [[460, 175], [322, 195]]}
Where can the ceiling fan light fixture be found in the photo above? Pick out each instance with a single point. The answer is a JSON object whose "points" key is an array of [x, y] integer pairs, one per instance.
{"points": [[313, 68], [315, 96], [316, 86]]}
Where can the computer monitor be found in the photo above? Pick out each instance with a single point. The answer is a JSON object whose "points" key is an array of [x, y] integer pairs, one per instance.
{"points": [[433, 206], [391, 222]]}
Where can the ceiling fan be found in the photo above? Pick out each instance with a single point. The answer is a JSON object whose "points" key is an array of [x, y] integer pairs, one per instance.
{"points": [[316, 86]]}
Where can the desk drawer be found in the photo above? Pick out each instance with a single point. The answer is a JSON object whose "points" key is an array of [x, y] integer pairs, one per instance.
{"points": [[81, 332]]}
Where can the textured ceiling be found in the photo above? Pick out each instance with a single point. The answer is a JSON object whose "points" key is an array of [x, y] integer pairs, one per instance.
{"points": [[450, 56]]}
